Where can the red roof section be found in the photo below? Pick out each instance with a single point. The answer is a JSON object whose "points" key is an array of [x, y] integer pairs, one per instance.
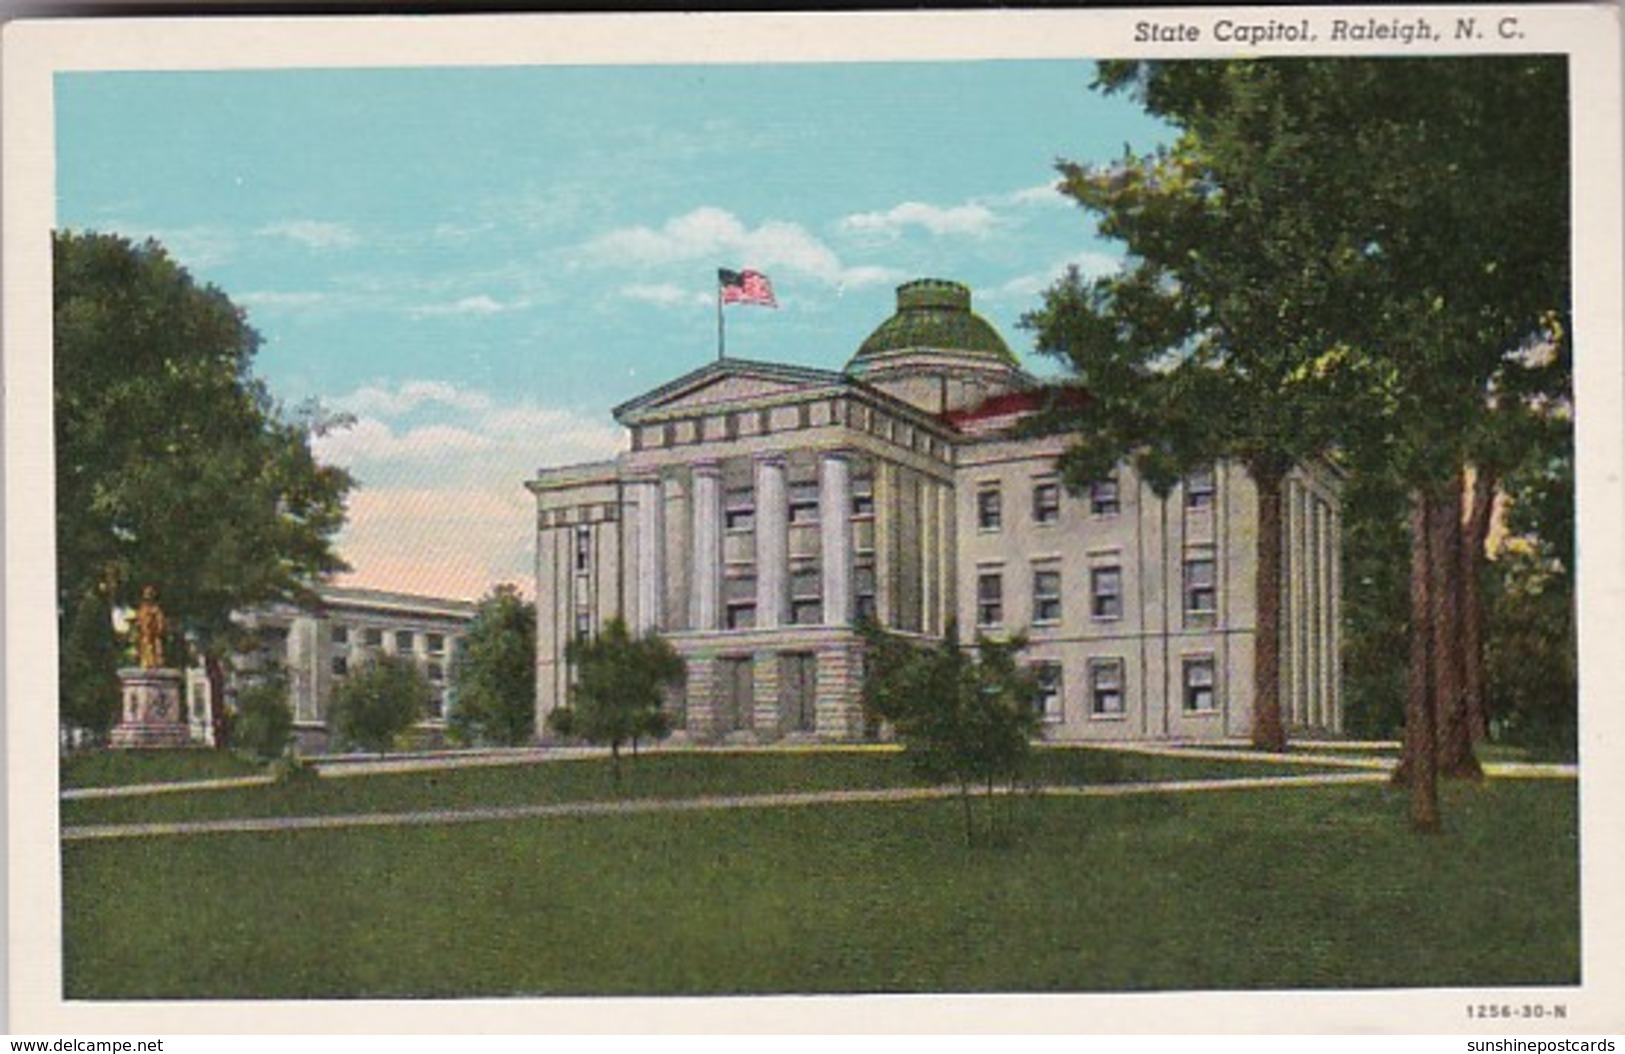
{"points": [[1018, 404]]}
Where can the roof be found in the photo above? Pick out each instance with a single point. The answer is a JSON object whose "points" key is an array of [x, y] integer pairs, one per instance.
{"points": [[933, 313], [1026, 403], [799, 376]]}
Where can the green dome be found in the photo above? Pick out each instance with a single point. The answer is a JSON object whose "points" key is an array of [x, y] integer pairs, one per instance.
{"points": [[935, 314]]}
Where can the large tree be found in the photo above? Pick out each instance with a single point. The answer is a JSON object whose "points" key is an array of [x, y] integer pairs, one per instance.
{"points": [[494, 672], [176, 468], [1348, 255]]}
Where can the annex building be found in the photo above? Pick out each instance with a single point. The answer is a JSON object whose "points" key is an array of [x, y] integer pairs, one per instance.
{"points": [[761, 508], [318, 647]]}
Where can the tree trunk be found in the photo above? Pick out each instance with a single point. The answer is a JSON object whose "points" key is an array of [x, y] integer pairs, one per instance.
{"points": [[1269, 731], [215, 671], [1416, 768], [615, 763], [970, 829], [1445, 545], [1481, 505]]}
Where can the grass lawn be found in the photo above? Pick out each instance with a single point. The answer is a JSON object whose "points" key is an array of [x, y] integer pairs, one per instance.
{"points": [[121, 768], [657, 775], [1289, 888]]}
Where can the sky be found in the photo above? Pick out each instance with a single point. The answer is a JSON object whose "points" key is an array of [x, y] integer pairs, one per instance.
{"points": [[478, 264]]}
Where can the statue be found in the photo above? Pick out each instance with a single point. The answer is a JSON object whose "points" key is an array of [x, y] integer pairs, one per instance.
{"points": [[150, 627]]}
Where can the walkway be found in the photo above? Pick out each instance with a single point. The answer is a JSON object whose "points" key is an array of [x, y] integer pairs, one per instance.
{"points": [[1367, 769], [703, 804]]}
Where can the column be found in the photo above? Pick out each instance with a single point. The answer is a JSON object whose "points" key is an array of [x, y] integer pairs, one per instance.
{"points": [[835, 527], [930, 547], [885, 540], [772, 542], [706, 582], [647, 499]]}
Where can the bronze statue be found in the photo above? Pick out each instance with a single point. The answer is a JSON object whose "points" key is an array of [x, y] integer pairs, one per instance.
{"points": [[150, 627]]}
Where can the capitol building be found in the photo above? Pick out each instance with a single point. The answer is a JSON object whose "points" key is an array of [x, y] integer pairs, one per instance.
{"points": [[761, 509]]}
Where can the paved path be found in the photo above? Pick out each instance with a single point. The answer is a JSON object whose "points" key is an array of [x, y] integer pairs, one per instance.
{"points": [[702, 804]]}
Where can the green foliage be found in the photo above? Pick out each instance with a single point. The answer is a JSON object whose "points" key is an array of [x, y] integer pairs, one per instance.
{"points": [[965, 716], [494, 672], [1376, 606], [87, 665], [175, 466], [561, 723], [621, 681], [375, 705], [263, 726]]}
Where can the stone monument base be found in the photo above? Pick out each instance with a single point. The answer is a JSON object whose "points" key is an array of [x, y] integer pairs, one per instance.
{"points": [[152, 714]]}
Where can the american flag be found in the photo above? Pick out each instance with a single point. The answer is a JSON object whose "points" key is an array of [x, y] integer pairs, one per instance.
{"points": [[746, 287]]}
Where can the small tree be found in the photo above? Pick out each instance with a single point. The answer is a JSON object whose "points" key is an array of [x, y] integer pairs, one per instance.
{"points": [[965, 716], [376, 704], [264, 722], [495, 672], [620, 682], [88, 662]]}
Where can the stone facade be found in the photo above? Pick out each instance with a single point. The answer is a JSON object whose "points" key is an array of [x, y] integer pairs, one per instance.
{"points": [[762, 508]]}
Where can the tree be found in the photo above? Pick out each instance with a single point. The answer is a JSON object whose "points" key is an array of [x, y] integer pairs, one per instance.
{"points": [[494, 672], [374, 705], [175, 466], [264, 721], [1295, 304], [965, 716], [621, 681], [1219, 339], [89, 659]]}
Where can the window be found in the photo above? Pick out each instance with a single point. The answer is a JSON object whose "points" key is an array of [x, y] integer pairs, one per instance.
{"points": [[806, 596], [1199, 694], [341, 665], [1106, 592], [863, 590], [804, 502], [739, 602], [989, 513], [668, 434], [989, 598], [739, 509], [436, 671], [403, 642], [583, 625], [437, 643], [583, 548], [863, 496], [341, 635], [1106, 687], [1103, 498], [373, 638], [1201, 598], [1046, 502], [1048, 703], [437, 706], [1046, 594], [730, 426], [1199, 489]]}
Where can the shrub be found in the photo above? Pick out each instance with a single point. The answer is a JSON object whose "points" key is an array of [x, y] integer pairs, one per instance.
{"points": [[264, 724], [373, 706]]}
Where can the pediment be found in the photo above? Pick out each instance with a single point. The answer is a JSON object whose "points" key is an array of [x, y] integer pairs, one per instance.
{"points": [[727, 382]]}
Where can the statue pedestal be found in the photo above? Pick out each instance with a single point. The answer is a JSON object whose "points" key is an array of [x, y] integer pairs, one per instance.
{"points": [[152, 714]]}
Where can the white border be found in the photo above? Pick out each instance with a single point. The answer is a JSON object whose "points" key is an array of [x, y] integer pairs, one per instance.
{"points": [[1589, 35]]}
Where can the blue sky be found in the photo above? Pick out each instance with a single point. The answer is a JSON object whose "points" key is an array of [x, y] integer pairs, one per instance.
{"points": [[479, 263]]}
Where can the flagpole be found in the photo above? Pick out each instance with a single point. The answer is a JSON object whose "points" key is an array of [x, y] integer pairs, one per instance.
{"points": [[722, 346]]}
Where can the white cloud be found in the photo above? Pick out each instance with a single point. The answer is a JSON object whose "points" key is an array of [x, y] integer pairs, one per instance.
{"points": [[409, 395], [1027, 286], [275, 300], [371, 440], [314, 234], [480, 304], [1042, 194], [666, 294], [717, 236], [971, 218]]}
